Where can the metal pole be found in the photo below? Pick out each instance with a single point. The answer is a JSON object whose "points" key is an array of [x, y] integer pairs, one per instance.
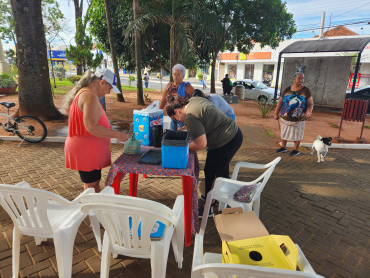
{"points": [[356, 72], [236, 71], [277, 76]]}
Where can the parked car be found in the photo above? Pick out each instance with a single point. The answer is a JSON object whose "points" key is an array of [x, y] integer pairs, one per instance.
{"points": [[362, 93], [256, 90]]}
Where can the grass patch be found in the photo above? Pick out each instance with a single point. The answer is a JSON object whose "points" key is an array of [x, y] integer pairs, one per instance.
{"points": [[63, 86], [270, 133], [367, 126], [334, 125], [129, 88]]}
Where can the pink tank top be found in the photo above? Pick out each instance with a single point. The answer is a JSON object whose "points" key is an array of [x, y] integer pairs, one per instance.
{"points": [[84, 151]]}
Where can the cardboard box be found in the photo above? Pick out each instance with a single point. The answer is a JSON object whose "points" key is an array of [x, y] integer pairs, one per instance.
{"points": [[245, 240], [234, 224], [270, 251]]}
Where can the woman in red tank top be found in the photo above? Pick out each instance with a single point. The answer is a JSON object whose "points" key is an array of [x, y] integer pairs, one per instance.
{"points": [[87, 148]]}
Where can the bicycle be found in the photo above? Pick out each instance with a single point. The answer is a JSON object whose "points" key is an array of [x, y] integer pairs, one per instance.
{"points": [[28, 128]]}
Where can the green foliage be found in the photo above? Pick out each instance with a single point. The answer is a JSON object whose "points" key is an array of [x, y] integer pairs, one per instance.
{"points": [[200, 76], [60, 72], [7, 80], [132, 78], [270, 133], [265, 106], [81, 54], [74, 78], [7, 28], [334, 125], [367, 126], [229, 23]]}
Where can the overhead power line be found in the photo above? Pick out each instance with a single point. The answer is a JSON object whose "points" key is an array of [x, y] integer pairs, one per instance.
{"points": [[336, 25]]}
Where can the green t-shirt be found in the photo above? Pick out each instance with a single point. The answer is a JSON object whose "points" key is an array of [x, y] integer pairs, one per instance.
{"points": [[202, 117]]}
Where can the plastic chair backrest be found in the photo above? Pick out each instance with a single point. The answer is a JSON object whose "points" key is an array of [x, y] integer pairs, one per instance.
{"points": [[209, 265], [224, 189], [121, 216], [28, 207], [221, 270]]}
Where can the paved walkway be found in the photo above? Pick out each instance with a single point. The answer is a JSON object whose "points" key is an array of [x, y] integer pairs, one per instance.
{"points": [[322, 207]]}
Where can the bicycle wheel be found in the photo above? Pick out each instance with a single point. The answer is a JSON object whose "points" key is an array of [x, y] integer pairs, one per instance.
{"points": [[30, 129]]}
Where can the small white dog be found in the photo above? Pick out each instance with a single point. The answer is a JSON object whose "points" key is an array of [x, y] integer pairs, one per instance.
{"points": [[321, 146]]}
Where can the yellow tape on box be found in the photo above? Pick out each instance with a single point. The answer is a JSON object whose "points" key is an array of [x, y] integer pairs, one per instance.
{"points": [[269, 251]]}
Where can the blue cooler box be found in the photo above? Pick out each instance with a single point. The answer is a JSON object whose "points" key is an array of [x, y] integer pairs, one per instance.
{"points": [[143, 125], [175, 149]]}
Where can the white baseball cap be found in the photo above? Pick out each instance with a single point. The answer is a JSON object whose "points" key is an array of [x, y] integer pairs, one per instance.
{"points": [[108, 76]]}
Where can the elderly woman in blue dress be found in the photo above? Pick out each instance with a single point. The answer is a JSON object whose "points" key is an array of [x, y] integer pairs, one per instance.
{"points": [[177, 87], [294, 106]]}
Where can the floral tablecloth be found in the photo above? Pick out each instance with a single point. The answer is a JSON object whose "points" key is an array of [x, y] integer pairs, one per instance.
{"points": [[128, 164]]}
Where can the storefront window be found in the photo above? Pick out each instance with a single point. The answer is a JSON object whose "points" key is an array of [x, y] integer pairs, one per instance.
{"points": [[249, 72], [232, 71], [268, 71]]}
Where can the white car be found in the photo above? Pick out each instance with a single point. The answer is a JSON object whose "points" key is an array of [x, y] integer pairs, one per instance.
{"points": [[256, 90]]}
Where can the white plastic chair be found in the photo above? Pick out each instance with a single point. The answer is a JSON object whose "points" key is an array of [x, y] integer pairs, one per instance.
{"points": [[115, 212], [43, 215], [210, 265], [224, 189]]}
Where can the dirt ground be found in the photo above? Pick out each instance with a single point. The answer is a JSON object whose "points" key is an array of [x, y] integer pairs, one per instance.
{"points": [[324, 122]]}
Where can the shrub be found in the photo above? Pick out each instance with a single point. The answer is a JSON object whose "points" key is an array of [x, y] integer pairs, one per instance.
{"points": [[60, 72], [74, 78], [7, 80], [265, 106], [200, 76]]}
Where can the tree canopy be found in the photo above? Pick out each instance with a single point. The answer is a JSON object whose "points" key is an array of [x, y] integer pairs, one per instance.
{"points": [[81, 54]]}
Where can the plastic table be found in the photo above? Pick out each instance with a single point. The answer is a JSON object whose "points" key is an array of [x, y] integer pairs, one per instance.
{"points": [[190, 175]]}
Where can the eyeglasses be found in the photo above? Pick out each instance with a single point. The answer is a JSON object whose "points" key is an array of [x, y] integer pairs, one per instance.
{"points": [[176, 74]]}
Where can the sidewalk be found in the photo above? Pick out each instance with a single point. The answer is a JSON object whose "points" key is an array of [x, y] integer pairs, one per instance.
{"points": [[322, 207]]}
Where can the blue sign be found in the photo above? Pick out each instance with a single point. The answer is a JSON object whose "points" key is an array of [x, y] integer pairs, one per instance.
{"points": [[57, 54]]}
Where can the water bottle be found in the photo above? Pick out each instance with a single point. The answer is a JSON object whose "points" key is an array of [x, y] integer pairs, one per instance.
{"points": [[157, 135]]}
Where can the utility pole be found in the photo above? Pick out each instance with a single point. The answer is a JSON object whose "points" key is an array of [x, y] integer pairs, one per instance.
{"points": [[322, 24]]}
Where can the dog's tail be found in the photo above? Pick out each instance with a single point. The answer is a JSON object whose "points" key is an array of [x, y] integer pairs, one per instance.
{"points": [[318, 137]]}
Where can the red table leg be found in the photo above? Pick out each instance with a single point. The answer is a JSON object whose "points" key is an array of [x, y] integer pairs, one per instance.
{"points": [[133, 184], [187, 185], [117, 182]]}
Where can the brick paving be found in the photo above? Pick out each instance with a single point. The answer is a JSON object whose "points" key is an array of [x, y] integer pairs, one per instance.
{"points": [[322, 207]]}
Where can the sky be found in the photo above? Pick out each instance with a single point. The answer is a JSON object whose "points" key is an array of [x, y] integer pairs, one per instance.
{"points": [[354, 14]]}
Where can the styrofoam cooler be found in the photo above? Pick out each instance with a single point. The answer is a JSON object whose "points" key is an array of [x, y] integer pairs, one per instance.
{"points": [[175, 149], [143, 125]]}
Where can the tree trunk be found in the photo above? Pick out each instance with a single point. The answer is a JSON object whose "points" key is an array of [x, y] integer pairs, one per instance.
{"points": [[113, 49], [139, 82], [213, 67], [78, 14], [172, 42], [35, 96]]}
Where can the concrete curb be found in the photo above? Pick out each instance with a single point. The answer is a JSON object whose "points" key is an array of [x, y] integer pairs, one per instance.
{"points": [[115, 141], [49, 139], [337, 146]]}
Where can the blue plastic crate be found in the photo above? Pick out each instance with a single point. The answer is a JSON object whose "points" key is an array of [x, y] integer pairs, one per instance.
{"points": [[143, 125], [175, 149]]}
